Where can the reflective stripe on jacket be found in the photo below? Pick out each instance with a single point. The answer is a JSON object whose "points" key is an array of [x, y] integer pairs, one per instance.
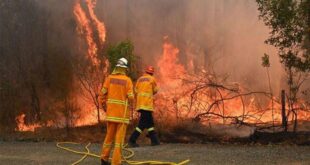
{"points": [[145, 88]]}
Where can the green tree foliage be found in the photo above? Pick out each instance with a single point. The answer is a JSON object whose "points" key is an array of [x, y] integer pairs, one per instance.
{"points": [[124, 49], [265, 61], [289, 21]]}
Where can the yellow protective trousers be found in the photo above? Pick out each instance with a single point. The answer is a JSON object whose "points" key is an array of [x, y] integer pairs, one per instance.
{"points": [[115, 133]]}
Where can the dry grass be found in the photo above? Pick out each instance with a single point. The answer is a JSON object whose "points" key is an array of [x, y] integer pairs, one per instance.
{"points": [[185, 131]]}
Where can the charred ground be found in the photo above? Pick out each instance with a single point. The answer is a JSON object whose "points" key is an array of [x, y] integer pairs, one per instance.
{"points": [[95, 134]]}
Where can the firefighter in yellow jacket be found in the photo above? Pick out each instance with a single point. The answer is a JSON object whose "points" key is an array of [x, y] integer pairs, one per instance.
{"points": [[118, 89], [145, 89]]}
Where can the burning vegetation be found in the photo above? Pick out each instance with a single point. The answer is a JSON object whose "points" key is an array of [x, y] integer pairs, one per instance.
{"points": [[54, 78], [209, 98]]}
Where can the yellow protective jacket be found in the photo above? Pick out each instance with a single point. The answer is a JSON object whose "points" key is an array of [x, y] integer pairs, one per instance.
{"points": [[118, 88], [145, 89]]}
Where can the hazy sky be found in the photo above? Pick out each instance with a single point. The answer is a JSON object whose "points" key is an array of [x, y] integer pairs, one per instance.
{"points": [[223, 35]]}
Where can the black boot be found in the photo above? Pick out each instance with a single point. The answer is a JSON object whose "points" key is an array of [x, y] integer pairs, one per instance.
{"points": [[154, 138], [133, 138], [104, 162]]}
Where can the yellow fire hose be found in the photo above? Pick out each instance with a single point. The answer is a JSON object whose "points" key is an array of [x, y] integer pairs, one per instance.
{"points": [[125, 158]]}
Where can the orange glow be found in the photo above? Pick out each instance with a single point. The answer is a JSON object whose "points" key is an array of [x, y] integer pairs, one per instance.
{"points": [[99, 25], [91, 29], [176, 95], [88, 113], [22, 127], [85, 29], [88, 117], [170, 70]]}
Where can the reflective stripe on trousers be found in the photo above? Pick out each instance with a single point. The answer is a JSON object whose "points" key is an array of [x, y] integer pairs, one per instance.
{"points": [[138, 129], [150, 129], [115, 133]]}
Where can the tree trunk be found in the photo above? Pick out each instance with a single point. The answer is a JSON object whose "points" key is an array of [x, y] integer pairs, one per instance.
{"points": [[67, 114], [295, 120], [284, 119], [98, 114], [35, 103], [308, 31], [272, 103]]}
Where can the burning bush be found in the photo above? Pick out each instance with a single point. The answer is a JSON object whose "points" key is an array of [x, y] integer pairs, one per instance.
{"points": [[209, 99]]}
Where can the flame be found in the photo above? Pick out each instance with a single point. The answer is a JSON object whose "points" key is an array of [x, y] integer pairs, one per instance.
{"points": [[91, 29], [85, 29], [21, 126], [88, 114], [175, 96], [100, 25], [170, 70]]}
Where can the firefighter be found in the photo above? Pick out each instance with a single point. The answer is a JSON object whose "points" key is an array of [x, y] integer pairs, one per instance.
{"points": [[145, 90], [117, 88]]}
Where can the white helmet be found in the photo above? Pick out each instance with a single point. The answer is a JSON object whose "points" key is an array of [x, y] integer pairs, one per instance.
{"points": [[122, 62]]}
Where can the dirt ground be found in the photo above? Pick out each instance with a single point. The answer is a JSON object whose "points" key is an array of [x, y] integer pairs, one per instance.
{"points": [[46, 153]]}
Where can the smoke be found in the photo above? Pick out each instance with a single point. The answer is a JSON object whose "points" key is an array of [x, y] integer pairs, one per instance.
{"points": [[61, 25], [224, 36]]}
